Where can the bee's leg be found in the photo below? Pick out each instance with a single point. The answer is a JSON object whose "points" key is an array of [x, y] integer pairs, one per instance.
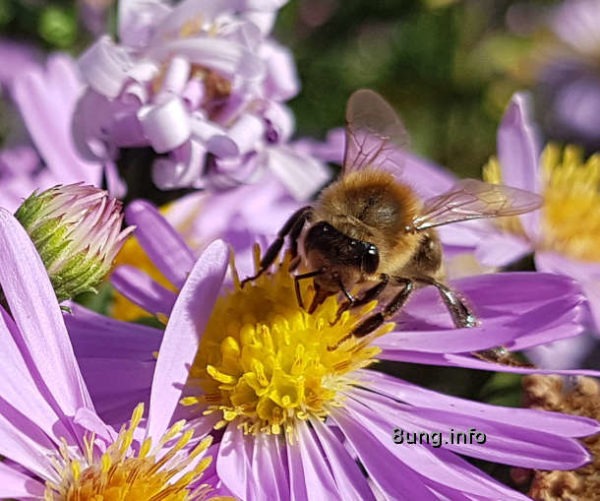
{"points": [[366, 297], [293, 226], [304, 276], [462, 316], [500, 355], [376, 320]]}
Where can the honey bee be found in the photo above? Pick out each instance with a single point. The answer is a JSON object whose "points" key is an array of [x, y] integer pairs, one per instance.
{"points": [[370, 230]]}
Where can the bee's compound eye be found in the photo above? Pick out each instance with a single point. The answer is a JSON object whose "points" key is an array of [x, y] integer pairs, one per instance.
{"points": [[370, 260]]}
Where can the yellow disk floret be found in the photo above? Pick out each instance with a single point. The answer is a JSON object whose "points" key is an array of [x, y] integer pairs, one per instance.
{"points": [[571, 217], [266, 362]]}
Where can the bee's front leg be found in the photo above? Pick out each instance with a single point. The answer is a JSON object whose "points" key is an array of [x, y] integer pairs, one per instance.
{"points": [[367, 296], [293, 227]]}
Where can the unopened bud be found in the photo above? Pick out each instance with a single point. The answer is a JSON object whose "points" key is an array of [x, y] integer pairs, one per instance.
{"points": [[77, 231]]}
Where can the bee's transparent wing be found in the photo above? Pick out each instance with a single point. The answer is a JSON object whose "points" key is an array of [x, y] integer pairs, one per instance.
{"points": [[473, 199], [373, 132]]}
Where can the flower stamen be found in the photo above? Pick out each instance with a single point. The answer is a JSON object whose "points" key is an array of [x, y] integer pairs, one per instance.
{"points": [[162, 473]]}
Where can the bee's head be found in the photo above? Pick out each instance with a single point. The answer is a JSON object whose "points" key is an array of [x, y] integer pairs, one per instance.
{"points": [[330, 249], [344, 260]]}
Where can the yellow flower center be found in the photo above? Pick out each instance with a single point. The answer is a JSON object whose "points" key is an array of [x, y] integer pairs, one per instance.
{"points": [[570, 222], [571, 217], [266, 362], [126, 473]]}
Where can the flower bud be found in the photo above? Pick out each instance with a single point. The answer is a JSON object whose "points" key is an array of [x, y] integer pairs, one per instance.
{"points": [[77, 231]]}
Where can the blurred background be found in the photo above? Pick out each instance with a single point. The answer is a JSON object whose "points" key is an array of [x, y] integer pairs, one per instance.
{"points": [[448, 66]]}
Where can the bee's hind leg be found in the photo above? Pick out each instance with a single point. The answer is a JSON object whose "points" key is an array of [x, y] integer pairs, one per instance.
{"points": [[462, 316]]}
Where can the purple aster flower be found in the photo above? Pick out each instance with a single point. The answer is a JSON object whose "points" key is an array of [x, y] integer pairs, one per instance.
{"points": [[45, 155], [202, 85], [564, 235], [53, 444], [298, 407]]}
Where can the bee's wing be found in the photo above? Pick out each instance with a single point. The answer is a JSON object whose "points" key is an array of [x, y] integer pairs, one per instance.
{"points": [[373, 132], [472, 199]]}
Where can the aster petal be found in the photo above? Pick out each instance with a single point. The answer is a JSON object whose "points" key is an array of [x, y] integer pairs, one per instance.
{"points": [[437, 473], [137, 19], [182, 168], [141, 289], [91, 422], [301, 175], [426, 178], [518, 154], [554, 320], [493, 295], [489, 334], [517, 443], [92, 118], [166, 125], [564, 354], [467, 234], [95, 335], [234, 462], [469, 362], [17, 387], [390, 474], [16, 56], [47, 100], [267, 461], [349, 479], [549, 422], [16, 484], [182, 335], [282, 80], [105, 67], [23, 442], [500, 249], [298, 487], [518, 146], [317, 475], [586, 273], [226, 57], [163, 244], [27, 289], [117, 386]]}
